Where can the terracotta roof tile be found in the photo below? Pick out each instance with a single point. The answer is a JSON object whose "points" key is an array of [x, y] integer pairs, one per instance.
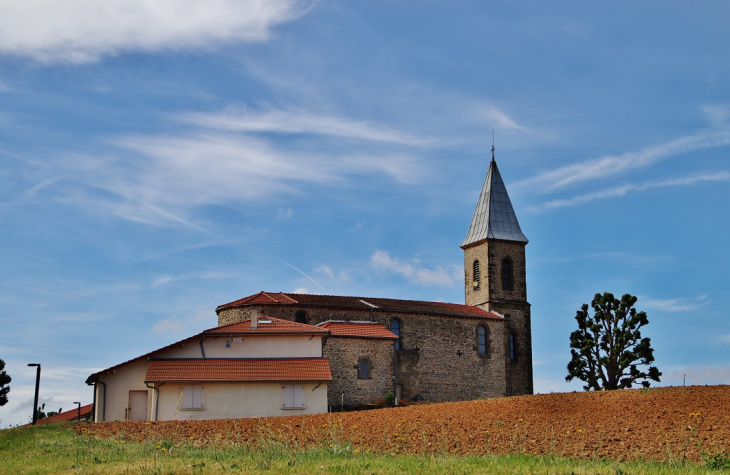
{"points": [[239, 370], [362, 303], [68, 415], [358, 330], [274, 325]]}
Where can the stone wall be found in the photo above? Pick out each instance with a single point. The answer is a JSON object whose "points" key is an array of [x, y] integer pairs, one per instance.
{"points": [[439, 359], [346, 388]]}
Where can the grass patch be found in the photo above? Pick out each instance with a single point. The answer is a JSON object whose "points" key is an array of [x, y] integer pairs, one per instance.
{"points": [[57, 448]]}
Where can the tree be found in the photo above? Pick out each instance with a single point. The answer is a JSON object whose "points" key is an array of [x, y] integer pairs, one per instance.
{"points": [[4, 381], [607, 349]]}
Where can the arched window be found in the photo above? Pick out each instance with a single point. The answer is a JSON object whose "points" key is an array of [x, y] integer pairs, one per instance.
{"points": [[300, 316], [395, 328], [363, 368], [512, 346], [481, 340], [507, 274], [477, 276]]}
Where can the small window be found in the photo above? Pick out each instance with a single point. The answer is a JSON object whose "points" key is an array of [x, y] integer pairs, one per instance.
{"points": [[363, 368], [511, 346], [477, 276], [192, 398], [507, 274], [293, 396], [300, 316], [395, 328], [481, 340]]}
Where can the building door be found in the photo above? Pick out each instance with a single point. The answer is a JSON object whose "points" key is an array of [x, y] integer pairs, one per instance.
{"points": [[137, 406]]}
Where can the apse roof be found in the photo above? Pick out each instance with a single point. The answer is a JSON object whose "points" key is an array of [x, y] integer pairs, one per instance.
{"points": [[494, 217]]}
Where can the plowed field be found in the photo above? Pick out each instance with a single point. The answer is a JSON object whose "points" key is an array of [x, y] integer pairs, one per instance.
{"points": [[653, 424]]}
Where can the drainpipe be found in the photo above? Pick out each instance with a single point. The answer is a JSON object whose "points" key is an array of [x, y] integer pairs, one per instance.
{"points": [[201, 345], [157, 396], [93, 404], [395, 373], [103, 402]]}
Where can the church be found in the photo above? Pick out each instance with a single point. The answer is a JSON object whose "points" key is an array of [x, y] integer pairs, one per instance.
{"points": [[276, 353], [443, 351]]}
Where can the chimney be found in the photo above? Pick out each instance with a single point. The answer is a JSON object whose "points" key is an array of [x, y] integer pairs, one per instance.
{"points": [[254, 318]]}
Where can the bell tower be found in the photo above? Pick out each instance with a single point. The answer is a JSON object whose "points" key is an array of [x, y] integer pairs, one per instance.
{"points": [[495, 277]]}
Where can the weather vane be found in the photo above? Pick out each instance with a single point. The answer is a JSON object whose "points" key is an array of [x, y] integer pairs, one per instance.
{"points": [[492, 144]]}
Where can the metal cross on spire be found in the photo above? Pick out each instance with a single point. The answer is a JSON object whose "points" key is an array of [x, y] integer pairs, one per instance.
{"points": [[492, 144]]}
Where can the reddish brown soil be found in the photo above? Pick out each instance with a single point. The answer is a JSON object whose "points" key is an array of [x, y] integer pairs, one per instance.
{"points": [[654, 424]]}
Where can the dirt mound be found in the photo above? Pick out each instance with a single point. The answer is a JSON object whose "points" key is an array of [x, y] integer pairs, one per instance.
{"points": [[659, 424]]}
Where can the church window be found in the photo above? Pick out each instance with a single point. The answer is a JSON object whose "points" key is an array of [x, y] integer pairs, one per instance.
{"points": [[507, 274], [395, 328], [481, 340], [512, 347], [477, 276], [300, 316], [363, 368]]}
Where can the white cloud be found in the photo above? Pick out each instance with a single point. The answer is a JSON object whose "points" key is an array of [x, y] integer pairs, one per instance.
{"points": [[414, 271], [302, 290], [159, 180], [631, 187], [242, 119], [673, 305], [614, 164], [181, 325], [325, 270], [79, 31]]}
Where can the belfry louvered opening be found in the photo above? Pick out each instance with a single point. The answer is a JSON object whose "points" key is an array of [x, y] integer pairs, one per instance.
{"points": [[477, 276], [507, 274]]}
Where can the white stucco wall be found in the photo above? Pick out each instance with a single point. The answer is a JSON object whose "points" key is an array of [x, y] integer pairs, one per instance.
{"points": [[239, 400], [130, 377], [118, 384]]}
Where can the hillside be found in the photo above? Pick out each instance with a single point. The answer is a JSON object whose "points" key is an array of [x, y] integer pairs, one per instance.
{"points": [[658, 424]]}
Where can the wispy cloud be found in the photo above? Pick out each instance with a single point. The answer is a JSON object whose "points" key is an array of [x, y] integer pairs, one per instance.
{"points": [[198, 321], [631, 187], [612, 165], [161, 180], [79, 31], [414, 271], [243, 119], [166, 279], [674, 305]]}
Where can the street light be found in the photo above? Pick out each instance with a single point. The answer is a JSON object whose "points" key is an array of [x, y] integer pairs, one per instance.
{"points": [[37, 385], [79, 413]]}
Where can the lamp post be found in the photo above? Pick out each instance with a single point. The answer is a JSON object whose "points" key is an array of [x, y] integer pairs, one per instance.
{"points": [[37, 386], [78, 417]]}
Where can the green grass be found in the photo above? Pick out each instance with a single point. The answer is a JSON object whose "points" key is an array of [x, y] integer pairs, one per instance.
{"points": [[54, 448]]}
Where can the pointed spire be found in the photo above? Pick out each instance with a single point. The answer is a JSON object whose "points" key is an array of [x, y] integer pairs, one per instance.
{"points": [[494, 217]]}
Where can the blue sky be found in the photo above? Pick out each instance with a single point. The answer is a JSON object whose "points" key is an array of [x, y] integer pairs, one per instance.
{"points": [[160, 161]]}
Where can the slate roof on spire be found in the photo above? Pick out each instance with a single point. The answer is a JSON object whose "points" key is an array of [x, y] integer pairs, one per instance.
{"points": [[494, 217]]}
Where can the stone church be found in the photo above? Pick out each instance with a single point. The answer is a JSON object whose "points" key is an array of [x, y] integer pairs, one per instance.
{"points": [[433, 351]]}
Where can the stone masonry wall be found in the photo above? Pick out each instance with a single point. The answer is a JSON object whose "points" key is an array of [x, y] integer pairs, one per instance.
{"points": [[439, 353], [510, 303], [344, 354]]}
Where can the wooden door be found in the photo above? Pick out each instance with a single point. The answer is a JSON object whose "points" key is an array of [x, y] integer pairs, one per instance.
{"points": [[137, 406]]}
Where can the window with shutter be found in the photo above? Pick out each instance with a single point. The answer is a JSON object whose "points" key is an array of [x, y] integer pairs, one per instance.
{"points": [[293, 396], [192, 399]]}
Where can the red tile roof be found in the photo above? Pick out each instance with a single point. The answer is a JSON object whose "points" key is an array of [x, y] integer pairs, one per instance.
{"points": [[362, 303], [358, 330], [68, 415], [238, 370], [274, 325]]}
